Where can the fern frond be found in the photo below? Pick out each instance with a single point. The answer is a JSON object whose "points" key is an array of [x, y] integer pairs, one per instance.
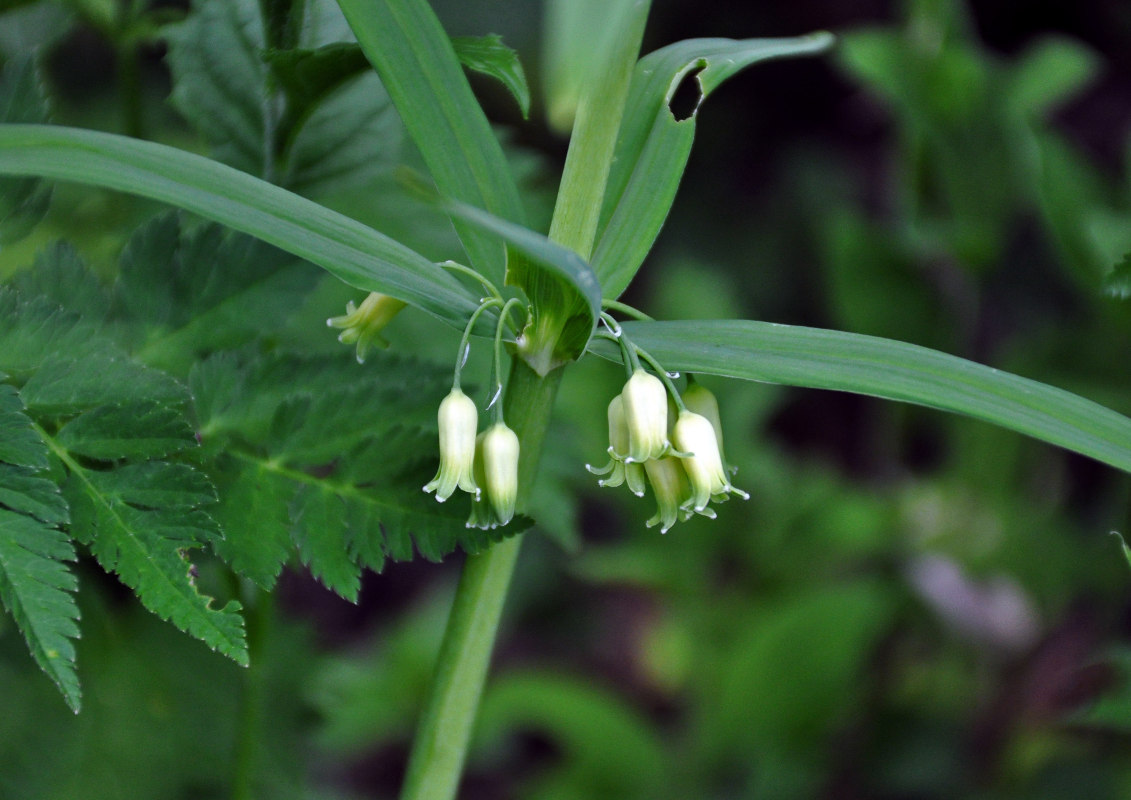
{"points": [[138, 521], [36, 585], [37, 588], [334, 455]]}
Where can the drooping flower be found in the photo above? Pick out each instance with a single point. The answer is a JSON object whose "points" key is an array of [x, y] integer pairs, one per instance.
{"points": [[458, 420], [695, 435], [618, 469], [701, 400], [363, 324], [496, 470], [646, 417], [670, 486]]}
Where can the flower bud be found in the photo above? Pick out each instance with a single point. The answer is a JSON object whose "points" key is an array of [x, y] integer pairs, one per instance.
{"points": [[695, 435], [646, 416], [499, 451], [364, 324], [458, 420]]}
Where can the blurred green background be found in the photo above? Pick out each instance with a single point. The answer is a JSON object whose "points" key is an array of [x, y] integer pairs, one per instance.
{"points": [[909, 606]]}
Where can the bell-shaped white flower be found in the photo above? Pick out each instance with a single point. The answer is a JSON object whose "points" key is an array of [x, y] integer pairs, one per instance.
{"points": [[500, 470], [646, 416], [363, 324], [617, 469], [458, 420], [670, 485], [695, 435], [496, 470], [701, 400]]}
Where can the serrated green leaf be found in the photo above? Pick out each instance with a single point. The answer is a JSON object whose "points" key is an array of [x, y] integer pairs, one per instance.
{"points": [[406, 44], [61, 277], [20, 444], [254, 515], [356, 254], [219, 82], [133, 431], [37, 588], [158, 485], [146, 286], [309, 76], [348, 139], [26, 492], [145, 544], [318, 517], [32, 330], [72, 382], [189, 292], [653, 145], [489, 56], [824, 359], [1117, 283], [240, 394], [23, 201]]}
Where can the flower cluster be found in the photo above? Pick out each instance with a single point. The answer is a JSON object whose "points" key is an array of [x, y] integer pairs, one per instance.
{"points": [[483, 465], [679, 453]]}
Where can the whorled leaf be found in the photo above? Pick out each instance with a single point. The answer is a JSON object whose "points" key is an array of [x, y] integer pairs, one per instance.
{"points": [[654, 143], [353, 252], [825, 359], [408, 47]]}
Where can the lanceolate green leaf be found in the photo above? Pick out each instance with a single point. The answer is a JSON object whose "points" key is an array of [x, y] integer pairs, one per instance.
{"points": [[653, 145], [822, 359], [489, 56], [567, 269], [414, 57], [353, 252]]}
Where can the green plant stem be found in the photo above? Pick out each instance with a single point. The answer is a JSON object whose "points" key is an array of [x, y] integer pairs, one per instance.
{"points": [[129, 88], [594, 138], [249, 731], [440, 746]]}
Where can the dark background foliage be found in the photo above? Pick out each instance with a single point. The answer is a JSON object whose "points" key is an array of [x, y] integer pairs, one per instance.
{"points": [[910, 605]]}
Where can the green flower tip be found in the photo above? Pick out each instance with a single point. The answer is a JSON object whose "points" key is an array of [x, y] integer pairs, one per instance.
{"points": [[458, 420], [362, 325], [496, 470]]}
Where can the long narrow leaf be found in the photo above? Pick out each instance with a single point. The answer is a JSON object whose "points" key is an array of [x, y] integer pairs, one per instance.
{"points": [[353, 252], [416, 61], [822, 359], [653, 145]]}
